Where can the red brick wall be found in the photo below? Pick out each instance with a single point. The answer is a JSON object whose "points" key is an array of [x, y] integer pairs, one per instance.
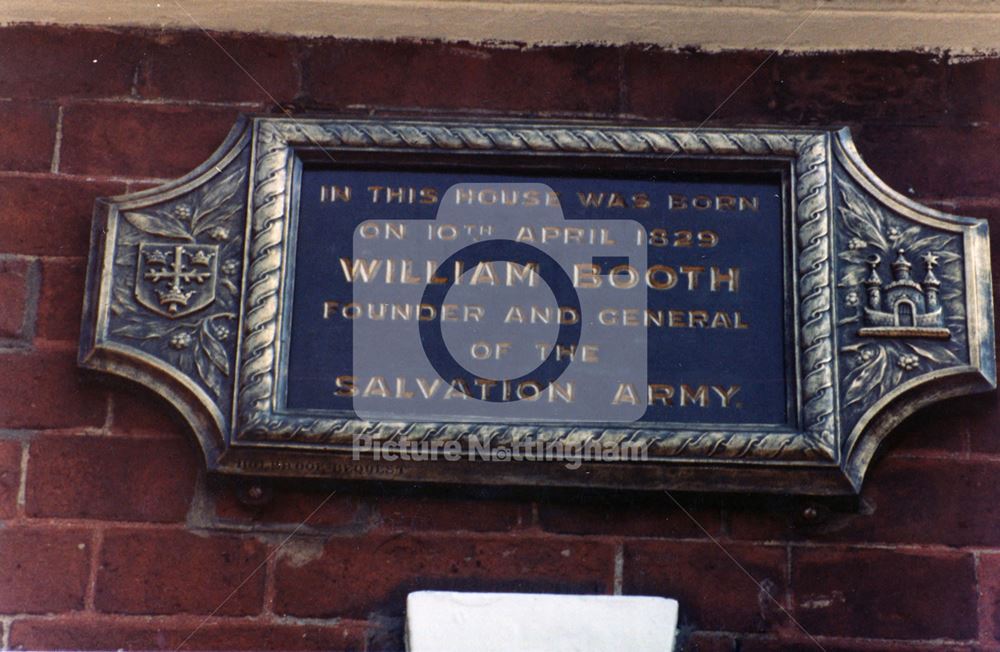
{"points": [[113, 536]]}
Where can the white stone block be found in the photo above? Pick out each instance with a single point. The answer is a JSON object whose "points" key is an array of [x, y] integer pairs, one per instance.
{"points": [[444, 621]]}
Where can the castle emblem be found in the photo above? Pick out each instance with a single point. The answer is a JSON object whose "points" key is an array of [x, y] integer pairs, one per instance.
{"points": [[903, 307], [176, 280]]}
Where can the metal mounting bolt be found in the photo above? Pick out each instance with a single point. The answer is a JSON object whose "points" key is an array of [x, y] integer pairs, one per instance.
{"points": [[254, 493]]}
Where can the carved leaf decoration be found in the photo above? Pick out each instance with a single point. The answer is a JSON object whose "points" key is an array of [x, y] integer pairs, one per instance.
{"points": [[861, 220], [211, 359], [162, 225], [854, 256], [947, 256], [852, 276], [865, 377], [125, 257], [930, 242], [893, 379], [906, 236], [137, 331], [216, 218], [216, 198], [938, 354], [122, 299], [214, 349], [951, 273], [208, 372]]}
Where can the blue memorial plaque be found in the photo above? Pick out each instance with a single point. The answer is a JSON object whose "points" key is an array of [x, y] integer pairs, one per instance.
{"points": [[719, 349], [563, 304]]}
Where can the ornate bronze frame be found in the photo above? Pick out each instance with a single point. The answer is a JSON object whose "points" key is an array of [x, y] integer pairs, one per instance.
{"points": [[220, 365]]}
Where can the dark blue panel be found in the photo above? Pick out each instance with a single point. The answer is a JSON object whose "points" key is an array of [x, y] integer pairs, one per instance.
{"points": [[753, 358]]}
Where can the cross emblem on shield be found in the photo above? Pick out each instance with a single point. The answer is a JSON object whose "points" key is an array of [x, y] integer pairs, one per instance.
{"points": [[175, 280]]}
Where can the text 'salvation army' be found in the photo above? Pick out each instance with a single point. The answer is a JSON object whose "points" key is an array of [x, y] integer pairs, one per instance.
{"points": [[584, 275]]}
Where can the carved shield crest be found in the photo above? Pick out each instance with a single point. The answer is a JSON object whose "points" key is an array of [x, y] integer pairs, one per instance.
{"points": [[175, 280]]}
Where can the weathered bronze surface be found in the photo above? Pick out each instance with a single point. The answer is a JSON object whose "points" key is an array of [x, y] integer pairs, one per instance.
{"points": [[888, 304]]}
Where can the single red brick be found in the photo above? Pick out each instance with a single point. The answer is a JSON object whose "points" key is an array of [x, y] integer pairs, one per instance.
{"points": [[973, 87], [834, 88], [451, 513], [100, 632], [136, 410], [141, 140], [16, 281], [766, 518], [42, 389], [43, 569], [292, 505], [104, 477], [10, 477], [933, 162], [61, 299], [355, 577], [706, 642], [49, 216], [54, 62], [904, 500], [655, 516], [404, 74], [196, 66], [714, 590], [28, 137], [855, 645], [989, 590], [891, 594], [173, 571], [695, 86]]}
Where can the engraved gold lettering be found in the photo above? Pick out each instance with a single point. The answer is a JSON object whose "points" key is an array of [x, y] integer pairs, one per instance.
{"points": [[591, 200], [661, 277], [376, 387], [659, 393], [427, 391], [428, 196], [458, 388], [730, 278], [726, 393], [585, 275], [691, 396], [330, 194], [697, 318], [360, 268], [625, 395], [345, 386], [693, 272], [722, 203]]}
